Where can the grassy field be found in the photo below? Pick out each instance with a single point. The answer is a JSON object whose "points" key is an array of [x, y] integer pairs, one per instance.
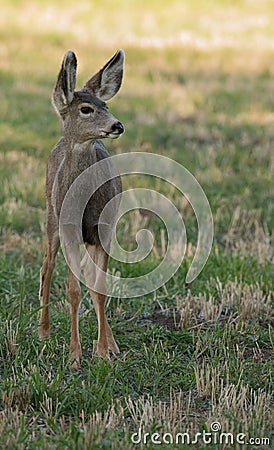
{"points": [[198, 88]]}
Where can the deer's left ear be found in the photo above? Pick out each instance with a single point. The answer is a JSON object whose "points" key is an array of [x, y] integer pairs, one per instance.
{"points": [[106, 83], [64, 90]]}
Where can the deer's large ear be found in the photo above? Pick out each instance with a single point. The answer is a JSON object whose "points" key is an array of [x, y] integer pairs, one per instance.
{"points": [[66, 81], [106, 83]]}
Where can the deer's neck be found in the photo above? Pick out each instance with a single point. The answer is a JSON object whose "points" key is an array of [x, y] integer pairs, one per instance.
{"points": [[78, 156], [76, 148]]}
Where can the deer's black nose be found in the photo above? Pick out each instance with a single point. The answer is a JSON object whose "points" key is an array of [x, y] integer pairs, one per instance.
{"points": [[117, 127]]}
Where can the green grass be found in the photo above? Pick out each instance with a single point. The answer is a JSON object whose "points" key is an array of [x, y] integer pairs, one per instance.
{"points": [[198, 88]]}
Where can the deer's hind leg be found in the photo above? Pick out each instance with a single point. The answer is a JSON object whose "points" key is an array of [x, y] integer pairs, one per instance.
{"points": [[45, 281], [96, 282], [75, 299]]}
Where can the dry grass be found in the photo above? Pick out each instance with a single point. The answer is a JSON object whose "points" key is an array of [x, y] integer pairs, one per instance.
{"points": [[24, 243], [235, 300], [248, 237], [240, 409]]}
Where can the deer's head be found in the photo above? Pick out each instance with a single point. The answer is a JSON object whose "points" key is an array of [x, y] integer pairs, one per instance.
{"points": [[84, 113]]}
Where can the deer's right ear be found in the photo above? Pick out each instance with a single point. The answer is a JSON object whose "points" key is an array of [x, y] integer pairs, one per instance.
{"points": [[106, 83], [66, 81]]}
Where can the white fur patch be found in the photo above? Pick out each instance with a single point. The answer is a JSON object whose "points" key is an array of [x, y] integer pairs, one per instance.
{"points": [[54, 189]]}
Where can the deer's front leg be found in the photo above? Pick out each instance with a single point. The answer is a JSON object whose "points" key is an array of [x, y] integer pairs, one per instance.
{"points": [[96, 281], [72, 252], [45, 280], [75, 298], [105, 337]]}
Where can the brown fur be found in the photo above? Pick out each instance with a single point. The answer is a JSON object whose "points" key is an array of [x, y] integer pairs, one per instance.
{"points": [[85, 119]]}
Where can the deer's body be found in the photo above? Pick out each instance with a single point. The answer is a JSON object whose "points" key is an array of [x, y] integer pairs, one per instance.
{"points": [[64, 167], [85, 119]]}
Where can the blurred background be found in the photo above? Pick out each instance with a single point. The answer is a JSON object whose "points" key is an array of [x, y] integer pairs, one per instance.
{"points": [[198, 88]]}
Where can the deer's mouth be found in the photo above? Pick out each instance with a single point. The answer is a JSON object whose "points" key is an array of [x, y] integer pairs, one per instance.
{"points": [[116, 130], [110, 134]]}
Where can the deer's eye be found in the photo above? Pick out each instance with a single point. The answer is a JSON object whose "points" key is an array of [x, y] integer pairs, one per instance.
{"points": [[86, 110]]}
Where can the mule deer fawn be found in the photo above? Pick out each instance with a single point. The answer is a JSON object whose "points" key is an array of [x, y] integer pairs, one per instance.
{"points": [[85, 119]]}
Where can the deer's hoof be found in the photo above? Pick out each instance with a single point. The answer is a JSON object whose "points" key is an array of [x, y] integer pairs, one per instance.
{"points": [[101, 350], [75, 355], [43, 332], [113, 346], [75, 363]]}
